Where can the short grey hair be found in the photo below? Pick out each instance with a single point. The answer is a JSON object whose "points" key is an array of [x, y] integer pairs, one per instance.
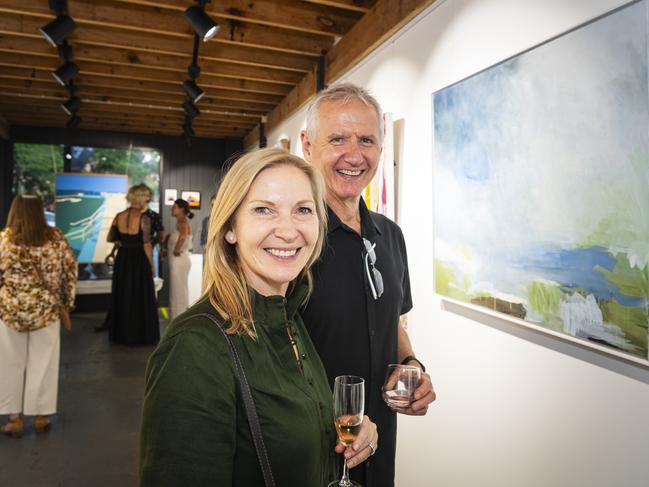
{"points": [[343, 92]]}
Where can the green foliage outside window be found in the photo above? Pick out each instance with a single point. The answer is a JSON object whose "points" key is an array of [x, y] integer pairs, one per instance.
{"points": [[140, 165], [37, 166]]}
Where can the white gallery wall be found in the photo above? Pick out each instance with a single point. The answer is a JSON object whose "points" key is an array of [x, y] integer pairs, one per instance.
{"points": [[516, 408]]}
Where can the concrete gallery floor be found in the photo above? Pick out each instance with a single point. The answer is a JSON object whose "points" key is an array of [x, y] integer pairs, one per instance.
{"points": [[93, 440]]}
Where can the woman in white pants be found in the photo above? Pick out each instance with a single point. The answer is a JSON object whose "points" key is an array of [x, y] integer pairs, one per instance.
{"points": [[38, 275], [179, 249]]}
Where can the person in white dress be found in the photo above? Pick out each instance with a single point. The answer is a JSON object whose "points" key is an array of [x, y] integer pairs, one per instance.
{"points": [[179, 248]]}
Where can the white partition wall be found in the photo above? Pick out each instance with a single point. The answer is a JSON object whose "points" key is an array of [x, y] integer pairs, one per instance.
{"points": [[516, 408]]}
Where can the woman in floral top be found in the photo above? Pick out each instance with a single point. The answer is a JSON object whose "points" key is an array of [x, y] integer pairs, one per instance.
{"points": [[29, 313]]}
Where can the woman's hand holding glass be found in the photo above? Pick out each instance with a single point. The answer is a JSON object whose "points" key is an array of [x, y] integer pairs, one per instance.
{"points": [[364, 446], [357, 435]]}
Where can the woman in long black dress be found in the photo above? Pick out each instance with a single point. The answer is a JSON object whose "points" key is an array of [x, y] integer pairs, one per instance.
{"points": [[134, 313]]}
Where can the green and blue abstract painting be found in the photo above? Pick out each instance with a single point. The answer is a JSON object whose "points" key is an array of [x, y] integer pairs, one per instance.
{"points": [[541, 179]]}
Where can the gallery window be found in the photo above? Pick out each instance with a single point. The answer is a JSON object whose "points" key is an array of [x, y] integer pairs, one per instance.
{"points": [[82, 189]]}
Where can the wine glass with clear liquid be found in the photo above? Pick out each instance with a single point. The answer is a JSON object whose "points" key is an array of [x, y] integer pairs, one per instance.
{"points": [[349, 406], [400, 384]]}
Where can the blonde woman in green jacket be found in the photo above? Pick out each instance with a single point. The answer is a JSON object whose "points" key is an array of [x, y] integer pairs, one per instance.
{"points": [[266, 229]]}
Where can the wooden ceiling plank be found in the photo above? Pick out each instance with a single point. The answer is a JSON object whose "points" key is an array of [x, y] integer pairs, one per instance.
{"points": [[121, 57], [363, 6], [86, 119], [287, 14], [124, 124], [52, 117], [246, 86], [147, 73], [145, 20], [153, 108], [384, 20], [133, 42], [128, 95], [140, 130], [54, 112]]}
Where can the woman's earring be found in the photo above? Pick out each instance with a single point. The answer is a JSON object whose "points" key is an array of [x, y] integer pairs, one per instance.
{"points": [[230, 237]]}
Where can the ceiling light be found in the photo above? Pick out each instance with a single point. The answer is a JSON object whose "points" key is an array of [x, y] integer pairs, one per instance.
{"points": [[66, 72], [191, 110], [193, 90], [73, 121], [202, 24], [71, 106], [58, 30]]}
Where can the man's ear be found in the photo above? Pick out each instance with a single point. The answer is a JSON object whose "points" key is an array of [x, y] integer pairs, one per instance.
{"points": [[306, 145]]}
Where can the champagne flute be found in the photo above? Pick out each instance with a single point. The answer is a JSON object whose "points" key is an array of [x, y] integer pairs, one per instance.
{"points": [[399, 386], [349, 406]]}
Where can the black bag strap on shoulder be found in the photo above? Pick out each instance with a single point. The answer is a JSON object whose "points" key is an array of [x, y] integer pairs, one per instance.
{"points": [[249, 404]]}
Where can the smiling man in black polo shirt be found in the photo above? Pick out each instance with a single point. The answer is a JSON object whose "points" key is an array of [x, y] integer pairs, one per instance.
{"points": [[356, 313]]}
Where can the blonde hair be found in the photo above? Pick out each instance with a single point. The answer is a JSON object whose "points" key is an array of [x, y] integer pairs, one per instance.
{"points": [[138, 195], [223, 280], [26, 222]]}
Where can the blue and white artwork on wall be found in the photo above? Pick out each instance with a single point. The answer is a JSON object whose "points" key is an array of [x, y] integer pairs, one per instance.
{"points": [[541, 180], [85, 207]]}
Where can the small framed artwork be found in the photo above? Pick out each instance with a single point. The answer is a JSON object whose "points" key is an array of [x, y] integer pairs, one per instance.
{"points": [[171, 195], [193, 198]]}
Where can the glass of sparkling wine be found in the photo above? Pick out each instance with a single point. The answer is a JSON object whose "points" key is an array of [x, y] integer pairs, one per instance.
{"points": [[349, 406], [399, 386]]}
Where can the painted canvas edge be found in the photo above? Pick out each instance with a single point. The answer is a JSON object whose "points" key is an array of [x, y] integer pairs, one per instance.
{"points": [[526, 324]]}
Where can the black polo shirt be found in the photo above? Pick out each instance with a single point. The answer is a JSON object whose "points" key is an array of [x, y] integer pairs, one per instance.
{"points": [[356, 334]]}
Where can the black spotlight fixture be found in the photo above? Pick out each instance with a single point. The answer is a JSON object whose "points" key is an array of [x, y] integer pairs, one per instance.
{"points": [[202, 24], [191, 110], [193, 90], [58, 30], [66, 72], [71, 106], [73, 122]]}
